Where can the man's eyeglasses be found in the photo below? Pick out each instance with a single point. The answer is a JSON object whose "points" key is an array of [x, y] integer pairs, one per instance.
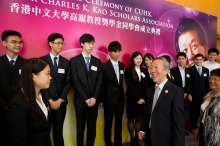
{"points": [[16, 42], [213, 79], [58, 43]]}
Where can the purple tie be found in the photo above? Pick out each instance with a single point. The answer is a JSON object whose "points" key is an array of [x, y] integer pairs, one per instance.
{"points": [[12, 63]]}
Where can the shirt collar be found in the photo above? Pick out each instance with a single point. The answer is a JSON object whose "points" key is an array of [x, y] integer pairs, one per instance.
{"points": [[198, 67], [9, 58], [52, 56], [162, 84], [181, 67], [113, 62], [85, 55]]}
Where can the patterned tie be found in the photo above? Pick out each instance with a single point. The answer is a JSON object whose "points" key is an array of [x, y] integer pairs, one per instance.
{"points": [[199, 70], [87, 62], [116, 72], [55, 65], [154, 102], [12, 63]]}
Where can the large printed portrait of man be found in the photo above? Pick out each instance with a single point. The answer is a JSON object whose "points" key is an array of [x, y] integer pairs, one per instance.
{"points": [[190, 39]]}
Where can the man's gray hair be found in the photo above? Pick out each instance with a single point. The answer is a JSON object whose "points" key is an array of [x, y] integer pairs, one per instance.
{"points": [[165, 62]]}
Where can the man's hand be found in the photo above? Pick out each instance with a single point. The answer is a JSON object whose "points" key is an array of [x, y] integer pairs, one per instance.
{"points": [[93, 101], [141, 135], [185, 95], [190, 97], [54, 104], [141, 101]]}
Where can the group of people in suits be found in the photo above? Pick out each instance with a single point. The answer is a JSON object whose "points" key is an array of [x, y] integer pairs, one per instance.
{"points": [[33, 94]]}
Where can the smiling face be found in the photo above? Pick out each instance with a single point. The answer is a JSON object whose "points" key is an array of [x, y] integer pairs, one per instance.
{"points": [[158, 71], [181, 61], [56, 46], [42, 79], [189, 43], [138, 60], [148, 61], [13, 44], [212, 56], [214, 83]]}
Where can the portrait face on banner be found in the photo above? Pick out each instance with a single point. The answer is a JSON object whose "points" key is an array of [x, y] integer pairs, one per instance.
{"points": [[190, 39]]}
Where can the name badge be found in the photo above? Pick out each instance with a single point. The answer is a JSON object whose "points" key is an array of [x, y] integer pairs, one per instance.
{"points": [[19, 71], [205, 75], [94, 68], [61, 71], [187, 75], [142, 74], [121, 72]]}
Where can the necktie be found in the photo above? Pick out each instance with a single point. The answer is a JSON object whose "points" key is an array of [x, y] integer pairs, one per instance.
{"points": [[12, 63], [116, 72], [87, 62], [199, 70], [55, 64], [154, 102]]}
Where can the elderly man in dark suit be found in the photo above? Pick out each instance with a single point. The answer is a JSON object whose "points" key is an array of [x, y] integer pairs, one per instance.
{"points": [[163, 121], [10, 70], [59, 86], [199, 87], [86, 78]]}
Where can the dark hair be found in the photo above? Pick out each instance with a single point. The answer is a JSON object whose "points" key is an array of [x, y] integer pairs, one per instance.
{"points": [[149, 56], [133, 71], [181, 54], [54, 36], [188, 24], [114, 46], [8, 33], [26, 83], [86, 38], [215, 72], [199, 55], [213, 50]]}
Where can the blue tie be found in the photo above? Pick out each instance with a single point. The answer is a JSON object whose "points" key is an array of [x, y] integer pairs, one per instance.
{"points": [[199, 70], [87, 62]]}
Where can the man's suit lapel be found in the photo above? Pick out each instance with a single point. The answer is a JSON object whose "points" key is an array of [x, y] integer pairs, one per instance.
{"points": [[187, 74], [51, 66], [120, 73], [179, 75], [113, 71], [6, 62], [17, 63], [163, 93], [196, 71], [82, 61]]}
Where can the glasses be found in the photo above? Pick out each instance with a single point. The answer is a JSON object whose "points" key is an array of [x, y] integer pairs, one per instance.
{"points": [[213, 79], [16, 42], [58, 43]]}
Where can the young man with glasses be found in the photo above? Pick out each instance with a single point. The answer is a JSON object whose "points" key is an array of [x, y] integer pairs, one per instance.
{"points": [[198, 89], [59, 85], [10, 70]]}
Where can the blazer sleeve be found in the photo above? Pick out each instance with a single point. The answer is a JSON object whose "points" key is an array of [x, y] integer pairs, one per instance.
{"points": [[179, 118], [98, 84], [66, 87], [16, 119], [130, 85], [3, 102], [75, 81]]}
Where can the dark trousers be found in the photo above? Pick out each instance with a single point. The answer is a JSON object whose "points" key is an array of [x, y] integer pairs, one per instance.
{"points": [[83, 114], [2, 128], [57, 120], [148, 138], [109, 111], [194, 112], [201, 138]]}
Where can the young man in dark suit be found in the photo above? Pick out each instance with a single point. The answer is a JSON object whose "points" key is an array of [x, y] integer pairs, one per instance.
{"points": [[59, 86], [164, 117], [182, 78], [181, 74], [198, 89], [10, 70], [113, 97], [86, 78]]}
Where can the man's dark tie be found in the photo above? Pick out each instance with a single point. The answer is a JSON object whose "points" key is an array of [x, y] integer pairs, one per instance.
{"points": [[12, 63], [55, 65]]}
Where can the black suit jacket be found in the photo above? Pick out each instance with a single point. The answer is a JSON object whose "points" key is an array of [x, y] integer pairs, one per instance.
{"points": [[199, 84], [136, 90], [20, 125], [9, 77], [60, 84], [168, 118], [171, 77], [87, 84], [112, 89], [178, 78]]}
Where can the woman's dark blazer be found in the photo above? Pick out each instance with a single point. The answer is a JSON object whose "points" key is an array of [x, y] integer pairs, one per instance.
{"points": [[22, 130]]}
